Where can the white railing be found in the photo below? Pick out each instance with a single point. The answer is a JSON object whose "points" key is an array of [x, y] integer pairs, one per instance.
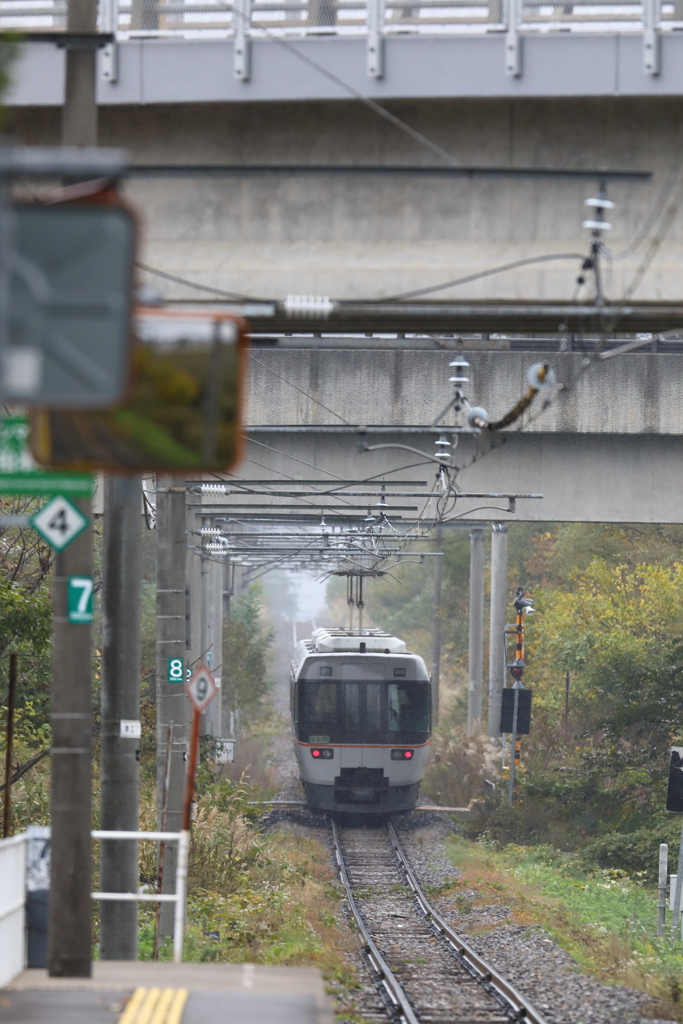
{"points": [[139, 18], [12, 907], [180, 895]]}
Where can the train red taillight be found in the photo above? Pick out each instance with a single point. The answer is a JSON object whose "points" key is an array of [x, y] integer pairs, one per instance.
{"points": [[322, 753], [402, 755]]}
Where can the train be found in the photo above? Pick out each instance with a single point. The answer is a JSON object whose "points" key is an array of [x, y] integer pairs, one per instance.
{"points": [[361, 708]]}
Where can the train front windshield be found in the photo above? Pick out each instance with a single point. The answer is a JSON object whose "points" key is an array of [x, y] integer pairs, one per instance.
{"points": [[363, 712]]}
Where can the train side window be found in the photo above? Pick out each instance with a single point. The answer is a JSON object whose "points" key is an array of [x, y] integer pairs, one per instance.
{"points": [[372, 706], [352, 707]]}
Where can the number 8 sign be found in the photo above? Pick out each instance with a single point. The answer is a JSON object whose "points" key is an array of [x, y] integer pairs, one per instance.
{"points": [[201, 688]]}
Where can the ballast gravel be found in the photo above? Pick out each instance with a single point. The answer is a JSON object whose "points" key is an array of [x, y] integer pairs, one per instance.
{"points": [[527, 956]]}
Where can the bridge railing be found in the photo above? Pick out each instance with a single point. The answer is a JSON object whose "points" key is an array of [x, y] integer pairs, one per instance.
{"points": [[374, 20], [349, 17]]}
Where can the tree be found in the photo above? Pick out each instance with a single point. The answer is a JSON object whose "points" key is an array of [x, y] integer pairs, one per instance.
{"points": [[245, 649]]}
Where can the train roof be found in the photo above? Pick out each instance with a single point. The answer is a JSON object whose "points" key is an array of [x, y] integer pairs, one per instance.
{"points": [[336, 640]]}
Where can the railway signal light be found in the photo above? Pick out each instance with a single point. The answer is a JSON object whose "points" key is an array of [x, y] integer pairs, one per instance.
{"points": [[517, 668]]}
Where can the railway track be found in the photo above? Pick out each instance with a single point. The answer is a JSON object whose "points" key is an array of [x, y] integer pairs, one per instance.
{"points": [[425, 972]]}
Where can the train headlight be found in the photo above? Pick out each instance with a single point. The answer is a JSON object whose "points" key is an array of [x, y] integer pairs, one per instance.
{"points": [[402, 755], [322, 753]]}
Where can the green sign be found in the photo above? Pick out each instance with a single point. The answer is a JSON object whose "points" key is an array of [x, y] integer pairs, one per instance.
{"points": [[21, 474], [176, 670], [79, 591]]}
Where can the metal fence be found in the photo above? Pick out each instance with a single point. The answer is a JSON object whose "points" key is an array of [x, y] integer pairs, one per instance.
{"points": [[220, 18]]}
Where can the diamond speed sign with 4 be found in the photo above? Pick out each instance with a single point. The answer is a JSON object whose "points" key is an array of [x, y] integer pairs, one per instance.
{"points": [[59, 522], [201, 688]]}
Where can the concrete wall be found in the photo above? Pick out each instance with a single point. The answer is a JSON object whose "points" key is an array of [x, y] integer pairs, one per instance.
{"points": [[630, 394], [598, 478], [357, 237], [608, 450]]}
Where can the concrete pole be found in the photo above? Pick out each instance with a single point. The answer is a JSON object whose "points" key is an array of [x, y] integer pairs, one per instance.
{"points": [[120, 701], [436, 624], [211, 653], [70, 927], [499, 587], [172, 703], [216, 576], [79, 116], [226, 696], [661, 888], [70, 916], [476, 666]]}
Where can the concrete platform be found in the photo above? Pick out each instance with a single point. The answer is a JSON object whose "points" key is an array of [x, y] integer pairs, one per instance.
{"points": [[221, 993]]}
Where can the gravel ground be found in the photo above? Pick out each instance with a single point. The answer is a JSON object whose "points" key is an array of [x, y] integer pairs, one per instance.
{"points": [[526, 956]]}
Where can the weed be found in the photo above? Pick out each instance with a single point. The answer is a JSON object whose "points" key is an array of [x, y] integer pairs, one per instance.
{"points": [[606, 919]]}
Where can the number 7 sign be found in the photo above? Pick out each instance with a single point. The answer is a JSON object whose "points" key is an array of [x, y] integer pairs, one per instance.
{"points": [[79, 594]]}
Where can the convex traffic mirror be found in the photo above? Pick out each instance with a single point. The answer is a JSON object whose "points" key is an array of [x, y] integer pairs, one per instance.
{"points": [[183, 411]]}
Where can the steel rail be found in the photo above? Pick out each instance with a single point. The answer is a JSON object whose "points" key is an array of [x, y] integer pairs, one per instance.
{"points": [[507, 994], [396, 993]]}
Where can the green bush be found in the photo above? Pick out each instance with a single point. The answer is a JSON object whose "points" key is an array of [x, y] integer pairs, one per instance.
{"points": [[635, 852]]}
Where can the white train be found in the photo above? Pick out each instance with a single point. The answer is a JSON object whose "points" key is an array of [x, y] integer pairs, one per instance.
{"points": [[361, 719]]}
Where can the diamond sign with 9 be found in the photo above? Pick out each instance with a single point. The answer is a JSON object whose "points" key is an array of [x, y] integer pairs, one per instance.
{"points": [[201, 688]]}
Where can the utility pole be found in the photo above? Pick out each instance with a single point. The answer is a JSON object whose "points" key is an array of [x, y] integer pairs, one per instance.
{"points": [[172, 703], [79, 118], [476, 652], [70, 927], [499, 555], [226, 695], [214, 643], [120, 712], [436, 623]]}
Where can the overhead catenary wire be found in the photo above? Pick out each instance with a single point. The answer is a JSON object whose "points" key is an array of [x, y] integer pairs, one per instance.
{"points": [[489, 272], [220, 292]]}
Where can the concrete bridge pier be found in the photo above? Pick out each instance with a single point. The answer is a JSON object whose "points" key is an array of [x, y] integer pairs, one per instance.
{"points": [[476, 659]]}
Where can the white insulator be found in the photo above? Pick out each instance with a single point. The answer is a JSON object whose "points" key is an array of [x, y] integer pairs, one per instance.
{"points": [[477, 416], [209, 531], [308, 305], [597, 225], [214, 489], [442, 455], [458, 380], [600, 204], [534, 379]]}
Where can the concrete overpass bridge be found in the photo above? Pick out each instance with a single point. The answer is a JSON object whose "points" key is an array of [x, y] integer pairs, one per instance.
{"points": [[609, 447], [265, 172]]}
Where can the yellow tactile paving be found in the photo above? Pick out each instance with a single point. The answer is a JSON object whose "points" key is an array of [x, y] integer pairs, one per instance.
{"points": [[176, 1008], [147, 1009], [161, 1008], [130, 1012], [154, 1006]]}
